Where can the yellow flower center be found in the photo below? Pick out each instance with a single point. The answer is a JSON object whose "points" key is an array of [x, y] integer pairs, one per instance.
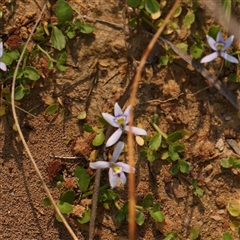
{"points": [[116, 169], [121, 121], [219, 46]]}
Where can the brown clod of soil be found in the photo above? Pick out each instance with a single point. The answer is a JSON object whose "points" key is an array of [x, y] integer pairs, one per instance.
{"points": [[54, 168]]}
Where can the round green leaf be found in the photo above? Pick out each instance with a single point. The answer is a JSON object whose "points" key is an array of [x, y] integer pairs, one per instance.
{"points": [[152, 6], [158, 215], [98, 140], [82, 115], [155, 142], [196, 50], [213, 31], [57, 39], [189, 19], [177, 12], [52, 109], [68, 196], [226, 236], [147, 201], [84, 27], [63, 11], [31, 73], [139, 218], [119, 216], [134, 3], [174, 170], [183, 166], [64, 207], [20, 91], [194, 234], [86, 217], [83, 178], [47, 202]]}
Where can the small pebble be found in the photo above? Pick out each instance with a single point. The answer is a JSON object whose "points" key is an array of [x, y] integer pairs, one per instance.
{"points": [[227, 118], [220, 145]]}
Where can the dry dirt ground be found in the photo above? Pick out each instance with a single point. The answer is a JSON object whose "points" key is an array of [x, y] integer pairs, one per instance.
{"points": [[206, 114]]}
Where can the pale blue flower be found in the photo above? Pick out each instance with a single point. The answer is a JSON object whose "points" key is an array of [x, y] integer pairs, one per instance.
{"points": [[219, 46], [120, 120], [2, 64], [116, 169]]}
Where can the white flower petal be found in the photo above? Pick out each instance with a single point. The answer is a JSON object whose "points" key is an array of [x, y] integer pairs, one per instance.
{"points": [[209, 57], [125, 167], [136, 130], [219, 37], [211, 43], [110, 119], [99, 164], [117, 110], [123, 178], [1, 49], [127, 114], [114, 137], [113, 178], [117, 150], [228, 43], [229, 57], [3, 66]]}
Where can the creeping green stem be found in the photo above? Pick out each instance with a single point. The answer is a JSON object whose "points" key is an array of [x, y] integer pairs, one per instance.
{"points": [[46, 53], [159, 130]]}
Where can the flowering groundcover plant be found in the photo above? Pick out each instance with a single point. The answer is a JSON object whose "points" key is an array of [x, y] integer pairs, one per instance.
{"points": [[219, 46], [120, 120], [116, 169]]}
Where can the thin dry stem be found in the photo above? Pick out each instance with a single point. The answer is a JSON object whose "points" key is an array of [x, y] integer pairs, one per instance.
{"points": [[131, 189], [22, 137]]}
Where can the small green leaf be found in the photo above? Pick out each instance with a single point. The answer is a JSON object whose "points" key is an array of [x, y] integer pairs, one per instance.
{"points": [[147, 201], [52, 109], [173, 137], [183, 166], [57, 39], [155, 142], [83, 178], [152, 6], [70, 30], [119, 216], [63, 11], [108, 195], [196, 50], [158, 215], [139, 218], [62, 57], [88, 128], [50, 65], [194, 183], [171, 236], [19, 72], [198, 191], [163, 60], [134, 3], [225, 163], [86, 217], [102, 121], [47, 202], [20, 92], [213, 31], [68, 196], [31, 73], [2, 110], [189, 19], [182, 46], [233, 77], [173, 153], [64, 207], [99, 139], [60, 67], [226, 236], [84, 27], [82, 115], [194, 234], [174, 170], [155, 207], [177, 12]]}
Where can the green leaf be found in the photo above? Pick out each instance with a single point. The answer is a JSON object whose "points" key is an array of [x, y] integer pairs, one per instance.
{"points": [[134, 3], [213, 31], [102, 121], [189, 19], [99, 139], [20, 92], [158, 215], [226, 236], [84, 27], [68, 196], [177, 12], [63, 11], [83, 178], [70, 32], [108, 195], [82, 115], [64, 207], [233, 77], [88, 128], [171, 236], [182, 46], [174, 170], [31, 73], [86, 217], [194, 183], [173, 153], [234, 212], [62, 57], [47, 202], [139, 218], [173, 137], [19, 72], [196, 50], [155, 142], [147, 201], [119, 216], [152, 6], [60, 67], [197, 38], [183, 166], [194, 234], [198, 191], [52, 109], [225, 163], [155, 207], [163, 60], [50, 65], [57, 39], [126, 207]]}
